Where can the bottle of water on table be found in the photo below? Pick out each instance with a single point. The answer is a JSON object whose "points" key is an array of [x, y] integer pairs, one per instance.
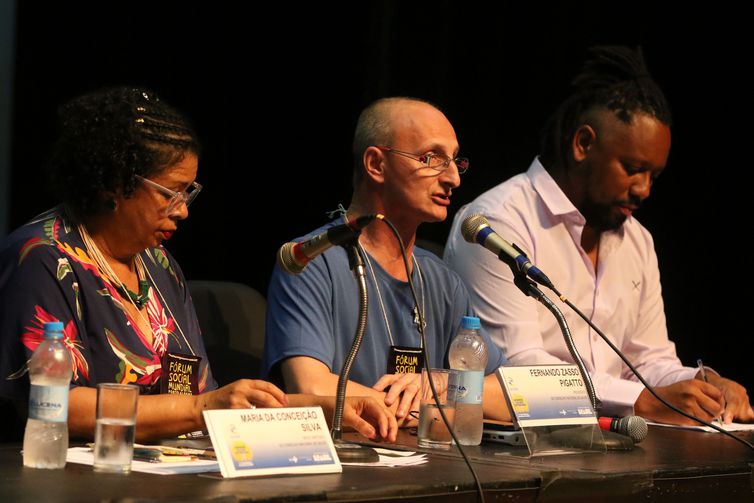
{"points": [[468, 355], [46, 435]]}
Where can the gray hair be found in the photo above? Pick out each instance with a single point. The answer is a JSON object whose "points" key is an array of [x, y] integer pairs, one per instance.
{"points": [[375, 127]]}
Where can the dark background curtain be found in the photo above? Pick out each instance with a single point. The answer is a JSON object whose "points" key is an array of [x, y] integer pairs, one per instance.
{"points": [[275, 89]]}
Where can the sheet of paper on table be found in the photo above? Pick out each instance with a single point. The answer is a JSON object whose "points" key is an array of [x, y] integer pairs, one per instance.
{"points": [[85, 456], [390, 457], [699, 427]]}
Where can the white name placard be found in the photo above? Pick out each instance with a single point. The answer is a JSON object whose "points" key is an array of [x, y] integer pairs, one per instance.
{"points": [[543, 395], [271, 441]]}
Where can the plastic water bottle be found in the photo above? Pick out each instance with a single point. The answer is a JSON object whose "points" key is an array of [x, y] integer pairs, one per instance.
{"points": [[46, 435], [468, 354]]}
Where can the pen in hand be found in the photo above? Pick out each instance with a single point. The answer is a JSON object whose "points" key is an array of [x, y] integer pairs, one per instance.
{"points": [[703, 373]]}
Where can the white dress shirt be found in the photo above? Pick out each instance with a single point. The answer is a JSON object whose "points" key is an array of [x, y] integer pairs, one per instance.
{"points": [[622, 297]]}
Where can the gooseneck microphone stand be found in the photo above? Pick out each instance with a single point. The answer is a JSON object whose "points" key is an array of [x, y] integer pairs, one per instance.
{"points": [[476, 225], [530, 289], [350, 451], [641, 379]]}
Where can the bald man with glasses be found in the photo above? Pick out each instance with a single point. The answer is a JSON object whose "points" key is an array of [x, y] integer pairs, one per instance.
{"points": [[406, 168]]}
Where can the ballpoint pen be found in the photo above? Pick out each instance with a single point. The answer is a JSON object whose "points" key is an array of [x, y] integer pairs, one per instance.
{"points": [[703, 373]]}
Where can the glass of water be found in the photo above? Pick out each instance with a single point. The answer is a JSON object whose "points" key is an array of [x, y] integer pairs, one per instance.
{"points": [[116, 425], [432, 431]]}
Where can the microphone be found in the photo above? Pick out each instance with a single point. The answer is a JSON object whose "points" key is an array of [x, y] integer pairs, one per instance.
{"points": [[634, 427], [476, 228], [294, 257]]}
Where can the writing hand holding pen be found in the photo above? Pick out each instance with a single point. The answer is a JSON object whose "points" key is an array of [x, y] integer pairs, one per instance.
{"points": [[703, 375], [736, 400]]}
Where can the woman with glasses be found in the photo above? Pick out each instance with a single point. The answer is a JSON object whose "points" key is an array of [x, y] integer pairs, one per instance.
{"points": [[125, 166]]}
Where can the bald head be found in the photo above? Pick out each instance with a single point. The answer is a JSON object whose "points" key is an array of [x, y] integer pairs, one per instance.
{"points": [[377, 125]]}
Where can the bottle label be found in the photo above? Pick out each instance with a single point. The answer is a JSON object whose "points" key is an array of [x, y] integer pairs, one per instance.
{"points": [[48, 403], [470, 384]]}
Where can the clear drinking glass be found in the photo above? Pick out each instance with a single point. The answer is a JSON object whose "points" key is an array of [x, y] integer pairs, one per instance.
{"points": [[432, 431], [116, 426]]}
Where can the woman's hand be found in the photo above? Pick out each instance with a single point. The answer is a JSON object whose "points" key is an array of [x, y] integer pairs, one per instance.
{"points": [[243, 394]]}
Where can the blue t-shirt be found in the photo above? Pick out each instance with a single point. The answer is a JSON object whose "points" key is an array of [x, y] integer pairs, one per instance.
{"points": [[315, 313]]}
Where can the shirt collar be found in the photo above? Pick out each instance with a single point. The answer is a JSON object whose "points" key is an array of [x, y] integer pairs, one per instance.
{"points": [[554, 198], [558, 204]]}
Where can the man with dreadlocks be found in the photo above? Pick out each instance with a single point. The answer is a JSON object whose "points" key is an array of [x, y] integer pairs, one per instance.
{"points": [[572, 213]]}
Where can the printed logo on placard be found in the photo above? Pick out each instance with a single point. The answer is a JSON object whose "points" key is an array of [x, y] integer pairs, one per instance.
{"points": [[520, 405], [242, 454]]}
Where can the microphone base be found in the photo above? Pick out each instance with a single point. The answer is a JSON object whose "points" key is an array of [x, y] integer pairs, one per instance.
{"points": [[355, 453]]}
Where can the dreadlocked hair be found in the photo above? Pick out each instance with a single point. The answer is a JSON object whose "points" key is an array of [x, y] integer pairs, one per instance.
{"points": [[109, 136], [615, 78]]}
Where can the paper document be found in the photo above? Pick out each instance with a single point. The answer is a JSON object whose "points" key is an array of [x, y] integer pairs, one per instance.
{"points": [[390, 457], [85, 456], [699, 427]]}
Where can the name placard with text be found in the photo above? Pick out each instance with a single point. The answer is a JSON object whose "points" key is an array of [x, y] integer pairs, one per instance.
{"points": [[545, 395], [251, 442]]}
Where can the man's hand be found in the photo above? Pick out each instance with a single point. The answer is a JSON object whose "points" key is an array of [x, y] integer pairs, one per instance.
{"points": [[370, 418], [404, 391], [737, 405], [365, 414], [692, 396]]}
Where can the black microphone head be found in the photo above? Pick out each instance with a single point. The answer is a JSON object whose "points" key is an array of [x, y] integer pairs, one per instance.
{"points": [[286, 260], [472, 225], [632, 426]]}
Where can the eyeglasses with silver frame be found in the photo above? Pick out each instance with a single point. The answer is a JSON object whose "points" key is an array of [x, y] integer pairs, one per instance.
{"points": [[438, 162]]}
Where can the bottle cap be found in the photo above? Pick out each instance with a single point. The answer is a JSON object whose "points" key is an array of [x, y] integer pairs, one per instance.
{"points": [[53, 330], [470, 323]]}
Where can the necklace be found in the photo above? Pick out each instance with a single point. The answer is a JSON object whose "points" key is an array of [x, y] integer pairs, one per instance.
{"points": [[138, 300], [414, 311], [142, 273]]}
